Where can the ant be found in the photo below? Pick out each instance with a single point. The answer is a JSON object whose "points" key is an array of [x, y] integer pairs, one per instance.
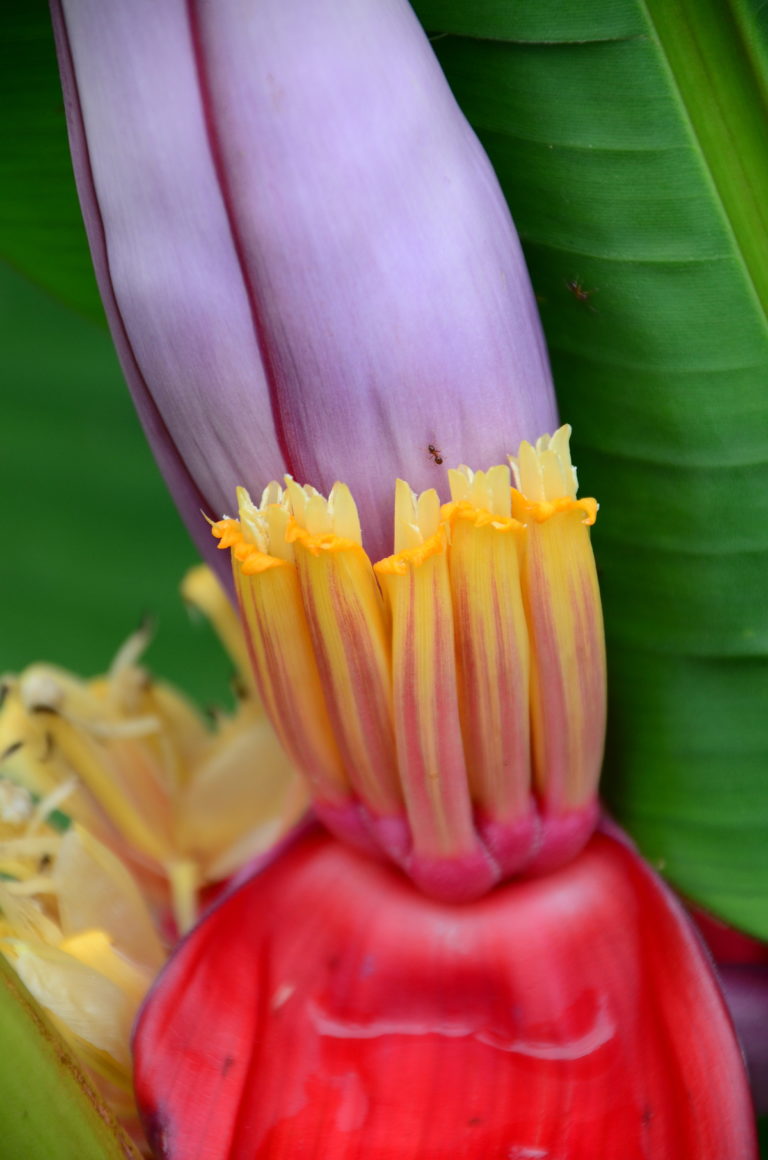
{"points": [[435, 452], [576, 287]]}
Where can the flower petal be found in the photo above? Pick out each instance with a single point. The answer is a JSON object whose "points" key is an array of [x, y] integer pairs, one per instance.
{"points": [[311, 196], [96, 891], [383, 265], [166, 260], [327, 1009]]}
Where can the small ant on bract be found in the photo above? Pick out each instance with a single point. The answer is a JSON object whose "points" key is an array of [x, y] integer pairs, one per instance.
{"points": [[436, 454], [580, 293]]}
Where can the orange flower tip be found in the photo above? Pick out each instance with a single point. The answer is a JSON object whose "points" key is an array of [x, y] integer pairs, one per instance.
{"points": [[319, 542], [227, 532], [401, 562], [544, 510], [546, 481], [455, 511]]}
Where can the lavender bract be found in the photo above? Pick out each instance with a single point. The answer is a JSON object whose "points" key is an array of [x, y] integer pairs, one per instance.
{"points": [[306, 260]]}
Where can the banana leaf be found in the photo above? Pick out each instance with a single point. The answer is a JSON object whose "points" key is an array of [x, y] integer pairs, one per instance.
{"points": [[630, 140], [50, 1110], [95, 545], [41, 230]]}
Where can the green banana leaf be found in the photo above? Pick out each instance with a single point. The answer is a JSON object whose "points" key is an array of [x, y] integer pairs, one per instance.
{"points": [[630, 141], [41, 230], [94, 544], [50, 1111]]}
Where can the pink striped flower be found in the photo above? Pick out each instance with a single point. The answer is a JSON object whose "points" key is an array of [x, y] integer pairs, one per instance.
{"points": [[447, 703]]}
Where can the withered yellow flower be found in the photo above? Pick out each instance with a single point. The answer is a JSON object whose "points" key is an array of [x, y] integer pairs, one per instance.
{"points": [[183, 804], [119, 806]]}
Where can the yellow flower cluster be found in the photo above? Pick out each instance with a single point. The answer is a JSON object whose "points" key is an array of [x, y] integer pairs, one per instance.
{"points": [[447, 703], [119, 807]]}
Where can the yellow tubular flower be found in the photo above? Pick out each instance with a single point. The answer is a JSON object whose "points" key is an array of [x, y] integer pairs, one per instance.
{"points": [[493, 659], [347, 622], [279, 639], [562, 600], [447, 703]]}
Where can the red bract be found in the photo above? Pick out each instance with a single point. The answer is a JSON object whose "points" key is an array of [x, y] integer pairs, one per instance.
{"points": [[326, 1009]]}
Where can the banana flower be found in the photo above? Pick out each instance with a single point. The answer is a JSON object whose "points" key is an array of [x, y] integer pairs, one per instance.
{"points": [[283, 300], [311, 277]]}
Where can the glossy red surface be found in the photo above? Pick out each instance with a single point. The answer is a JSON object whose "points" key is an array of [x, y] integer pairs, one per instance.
{"points": [[327, 1011]]}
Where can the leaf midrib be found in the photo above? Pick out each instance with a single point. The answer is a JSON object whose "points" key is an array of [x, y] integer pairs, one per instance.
{"points": [[693, 37]]}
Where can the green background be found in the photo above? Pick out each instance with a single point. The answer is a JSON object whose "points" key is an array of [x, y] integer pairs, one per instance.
{"points": [[93, 542]]}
